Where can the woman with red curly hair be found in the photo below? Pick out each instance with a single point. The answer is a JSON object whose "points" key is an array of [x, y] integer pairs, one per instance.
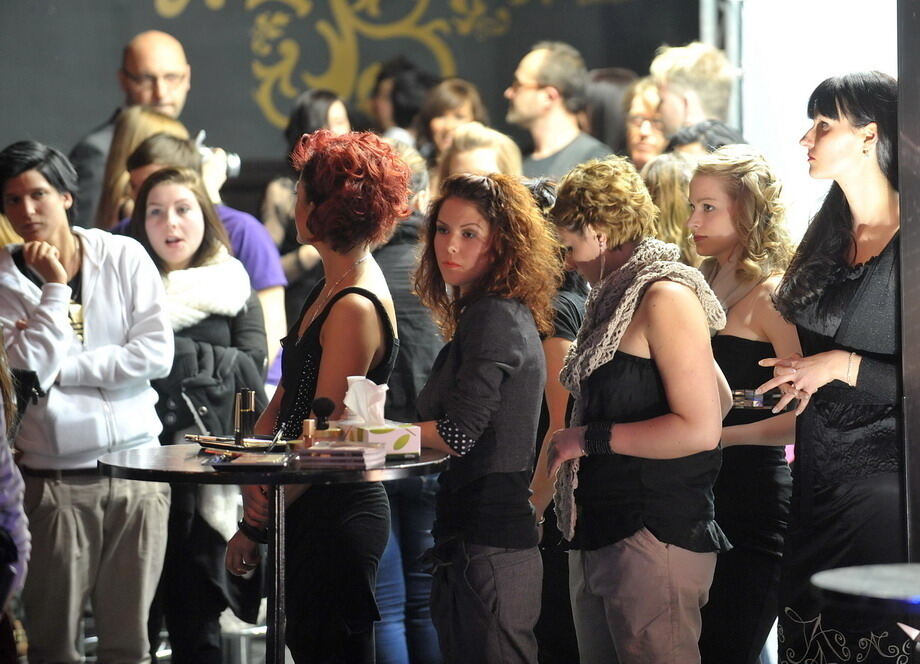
{"points": [[351, 192], [489, 271]]}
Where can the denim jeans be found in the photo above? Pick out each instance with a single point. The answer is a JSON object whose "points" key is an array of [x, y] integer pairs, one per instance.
{"points": [[405, 633]]}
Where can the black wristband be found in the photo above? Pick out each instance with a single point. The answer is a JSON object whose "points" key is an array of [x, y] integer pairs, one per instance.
{"points": [[259, 535], [597, 438]]}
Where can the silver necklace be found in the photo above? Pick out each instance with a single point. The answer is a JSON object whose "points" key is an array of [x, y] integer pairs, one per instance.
{"points": [[335, 287]]}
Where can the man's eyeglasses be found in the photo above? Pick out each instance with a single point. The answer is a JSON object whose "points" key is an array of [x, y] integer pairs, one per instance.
{"points": [[148, 82], [638, 120]]}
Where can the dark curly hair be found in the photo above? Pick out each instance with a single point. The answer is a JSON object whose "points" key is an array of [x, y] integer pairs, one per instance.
{"points": [[827, 245], [358, 183], [526, 262]]}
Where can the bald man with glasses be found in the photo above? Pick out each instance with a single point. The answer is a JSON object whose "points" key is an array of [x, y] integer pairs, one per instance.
{"points": [[154, 72]]}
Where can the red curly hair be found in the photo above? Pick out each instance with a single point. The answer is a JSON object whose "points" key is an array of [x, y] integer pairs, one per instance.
{"points": [[526, 264], [358, 183]]}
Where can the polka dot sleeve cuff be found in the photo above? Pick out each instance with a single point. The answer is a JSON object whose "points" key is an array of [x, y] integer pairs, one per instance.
{"points": [[458, 441]]}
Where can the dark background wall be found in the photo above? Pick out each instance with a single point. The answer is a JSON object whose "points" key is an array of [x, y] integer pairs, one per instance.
{"points": [[250, 58]]}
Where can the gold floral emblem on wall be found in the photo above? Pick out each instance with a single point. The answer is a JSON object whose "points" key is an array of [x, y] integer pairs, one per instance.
{"points": [[278, 29]]}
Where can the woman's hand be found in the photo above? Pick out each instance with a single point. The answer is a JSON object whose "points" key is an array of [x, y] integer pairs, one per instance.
{"points": [[45, 259], [565, 444], [242, 555], [799, 377], [255, 504]]}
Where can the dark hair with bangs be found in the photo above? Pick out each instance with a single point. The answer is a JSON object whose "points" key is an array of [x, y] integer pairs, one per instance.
{"points": [[526, 263], [358, 183], [214, 232], [824, 251], [23, 156]]}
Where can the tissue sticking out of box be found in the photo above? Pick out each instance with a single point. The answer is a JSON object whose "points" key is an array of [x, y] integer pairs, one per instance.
{"points": [[366, 400]]}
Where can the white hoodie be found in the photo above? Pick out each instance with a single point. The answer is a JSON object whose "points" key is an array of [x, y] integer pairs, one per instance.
{"points": [[98, 395]]}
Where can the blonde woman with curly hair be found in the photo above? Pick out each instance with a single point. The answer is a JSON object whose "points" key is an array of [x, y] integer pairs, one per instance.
{"points": [[738, 224], [643, 442], [489, 271], [667, 177]]}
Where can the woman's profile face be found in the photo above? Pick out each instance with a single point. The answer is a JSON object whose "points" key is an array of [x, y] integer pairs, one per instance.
{"points": [[477, 160], [174, 224], [583, 253], [302, 210], [710, 223], [835, 147], [337, 119], [443, 126], [462, 243]]}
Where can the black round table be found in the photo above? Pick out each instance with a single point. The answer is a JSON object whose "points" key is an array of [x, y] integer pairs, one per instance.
{"points": [[892, 588], [183, 463]]}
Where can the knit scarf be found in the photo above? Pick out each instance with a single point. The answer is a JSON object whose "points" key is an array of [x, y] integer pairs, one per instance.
{"points": [[608, 312], [220, 286]]}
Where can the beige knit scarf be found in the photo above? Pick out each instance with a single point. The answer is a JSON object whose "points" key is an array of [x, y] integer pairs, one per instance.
{"points": [[608, 312]]}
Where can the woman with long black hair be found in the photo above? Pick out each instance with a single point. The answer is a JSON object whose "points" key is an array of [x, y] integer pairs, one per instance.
{"points": [[841, 292]]}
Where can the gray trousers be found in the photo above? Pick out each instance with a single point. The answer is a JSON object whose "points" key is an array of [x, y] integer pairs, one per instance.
{"points": [[638, 601], [485, 602], [95, 539]]}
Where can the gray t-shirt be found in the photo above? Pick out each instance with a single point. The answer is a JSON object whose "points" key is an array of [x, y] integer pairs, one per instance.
{"points": [[582, 149]]}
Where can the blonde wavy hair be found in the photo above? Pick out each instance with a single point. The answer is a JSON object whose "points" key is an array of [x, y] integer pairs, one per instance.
{"points": [[475, 135], [133, 126], [609, 196], [667, 177], [758, 213]]}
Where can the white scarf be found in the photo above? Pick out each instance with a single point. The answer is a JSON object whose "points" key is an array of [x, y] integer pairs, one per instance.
{"points": [[608, 312], [220, 286]]}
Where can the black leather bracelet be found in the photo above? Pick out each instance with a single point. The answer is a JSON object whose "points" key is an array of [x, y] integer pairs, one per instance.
{"points": [[597, 438], [259, 535]]}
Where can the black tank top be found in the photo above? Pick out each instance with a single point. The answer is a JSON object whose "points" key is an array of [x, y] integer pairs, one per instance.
{"points": [[617, 495], [302, 356]]}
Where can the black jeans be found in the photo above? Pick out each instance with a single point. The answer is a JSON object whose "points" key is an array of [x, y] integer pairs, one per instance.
{"points": [[335, 536]]}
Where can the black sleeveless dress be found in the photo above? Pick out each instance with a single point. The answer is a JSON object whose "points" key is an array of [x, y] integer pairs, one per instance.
{"points": [[752, 496], [335, 534], [847, 499]]}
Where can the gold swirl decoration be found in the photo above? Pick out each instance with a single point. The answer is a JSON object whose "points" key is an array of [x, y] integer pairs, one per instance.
{"points": [[276, 66]]}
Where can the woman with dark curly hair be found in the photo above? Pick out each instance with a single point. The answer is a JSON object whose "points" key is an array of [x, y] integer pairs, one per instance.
{"points": [[646, 417], [841, 292], [489, 271], [351, 192], [737, 221]]}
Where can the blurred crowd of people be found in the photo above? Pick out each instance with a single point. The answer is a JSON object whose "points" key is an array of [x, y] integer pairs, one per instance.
{"points": [[610, 331]]}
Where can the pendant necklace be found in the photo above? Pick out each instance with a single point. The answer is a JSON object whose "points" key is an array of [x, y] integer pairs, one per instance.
{"points": [[334, 288]]}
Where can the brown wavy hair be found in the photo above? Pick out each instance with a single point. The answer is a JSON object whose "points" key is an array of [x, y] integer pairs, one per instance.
{"points": [[358, 183], [609, 196], [758, 212], [526, 261]]}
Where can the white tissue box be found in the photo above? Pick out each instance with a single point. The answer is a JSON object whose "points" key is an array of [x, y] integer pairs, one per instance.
{"points": [[402, 441]]}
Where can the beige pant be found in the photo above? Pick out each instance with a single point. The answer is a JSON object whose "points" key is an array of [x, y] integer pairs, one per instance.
{"points": [[96, 539], [638, 601]]}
